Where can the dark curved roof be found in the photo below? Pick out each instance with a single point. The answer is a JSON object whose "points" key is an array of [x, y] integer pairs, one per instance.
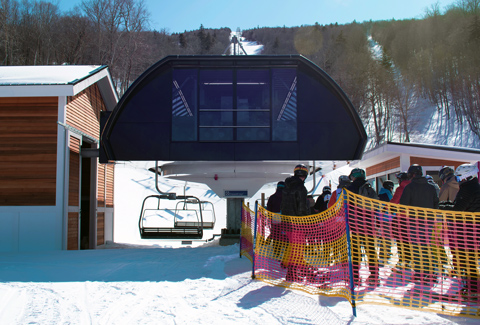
{"points": [[269, 108]]}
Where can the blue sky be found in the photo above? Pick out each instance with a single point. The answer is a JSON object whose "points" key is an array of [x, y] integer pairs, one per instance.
{"points": [[178, 16]]}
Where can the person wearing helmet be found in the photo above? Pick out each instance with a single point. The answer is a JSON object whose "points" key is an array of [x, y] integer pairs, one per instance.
{"points": [[294, 200], [465, 234], [360, 186], [432, 182], [274, 202], [343, 182], [277, 234], [399, 226], [322, 201], [385, 193], [468, 196], [419, 193], [294, 203], [449, 188], [402, 182]]}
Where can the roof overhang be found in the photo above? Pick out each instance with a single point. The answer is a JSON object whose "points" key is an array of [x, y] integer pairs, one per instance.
{"points": [[393, 149], [56, 81]]}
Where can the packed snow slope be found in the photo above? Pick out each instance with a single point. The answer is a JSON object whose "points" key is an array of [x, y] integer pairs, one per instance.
{"points": [[135, 285]]}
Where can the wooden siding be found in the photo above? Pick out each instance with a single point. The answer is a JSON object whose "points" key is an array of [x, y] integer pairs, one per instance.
{"points": [[104, 197], [383, 166], [109, 185], [28, 148], [72, 236], [83, 111], [435, 162], [101, 185], [105, 185], [74, 173], [100, 228]]}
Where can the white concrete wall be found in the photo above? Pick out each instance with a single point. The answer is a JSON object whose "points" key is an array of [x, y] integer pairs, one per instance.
{"points": [[30, 228], [109, 212]]}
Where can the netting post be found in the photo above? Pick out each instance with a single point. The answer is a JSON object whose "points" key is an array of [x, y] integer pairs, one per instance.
{"points": [[254, 240], [241, 229], [349, 248]]}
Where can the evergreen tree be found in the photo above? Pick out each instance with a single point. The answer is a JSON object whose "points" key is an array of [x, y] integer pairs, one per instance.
{"points": [[182, 41]]}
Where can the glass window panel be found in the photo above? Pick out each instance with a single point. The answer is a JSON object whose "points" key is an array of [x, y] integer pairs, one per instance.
{"points": [[284, 110], [253, 134], [253, 89], [184, 105], [394, 179], [380, 181], [216, 89], [216, 118], [216, 134], [252, 118]]}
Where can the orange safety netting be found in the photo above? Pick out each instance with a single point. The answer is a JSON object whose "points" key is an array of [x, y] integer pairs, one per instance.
{"points": [[399, 256]]}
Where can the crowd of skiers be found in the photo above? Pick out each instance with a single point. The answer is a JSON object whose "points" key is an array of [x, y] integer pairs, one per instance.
{"points": [[460, 191]]}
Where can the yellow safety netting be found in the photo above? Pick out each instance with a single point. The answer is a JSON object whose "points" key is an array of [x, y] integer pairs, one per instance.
{"points": [[399, 256]]}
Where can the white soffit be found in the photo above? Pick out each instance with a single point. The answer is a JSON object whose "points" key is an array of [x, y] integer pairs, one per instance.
{"points": [[390, 150]]}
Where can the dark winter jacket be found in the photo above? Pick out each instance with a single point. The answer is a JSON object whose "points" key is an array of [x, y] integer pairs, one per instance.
{"points": [[468, 197], [355, 185], [358, 184], [274, 203], [385, 195], [294, 199], [322, 201], [420, 193]]}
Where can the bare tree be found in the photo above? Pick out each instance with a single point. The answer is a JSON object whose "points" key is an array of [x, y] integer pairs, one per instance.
{"points": [[72, 34], [116, 25], [9, 17]]}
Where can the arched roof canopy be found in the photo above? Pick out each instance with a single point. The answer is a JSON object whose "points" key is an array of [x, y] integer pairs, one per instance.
{"points": [[233, 108]]}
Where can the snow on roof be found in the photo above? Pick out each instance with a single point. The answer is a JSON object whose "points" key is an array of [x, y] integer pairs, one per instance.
{"points": [[56, 80], [46, 75]]}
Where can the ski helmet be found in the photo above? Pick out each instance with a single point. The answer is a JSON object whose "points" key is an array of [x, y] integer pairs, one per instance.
{"points": [[357, 173], [300, 170], [343, 181], [402, 176], [327, 189], [444, 172], [466, 172], [281, 184], [388, 185], [414, 170]]}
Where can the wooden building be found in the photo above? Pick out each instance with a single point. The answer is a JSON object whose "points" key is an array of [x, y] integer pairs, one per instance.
{"points": [[385, 161], [54, 194]]}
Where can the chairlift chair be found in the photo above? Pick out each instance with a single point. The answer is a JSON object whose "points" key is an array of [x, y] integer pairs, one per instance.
{"points": [[186, 206], [153, 221]]}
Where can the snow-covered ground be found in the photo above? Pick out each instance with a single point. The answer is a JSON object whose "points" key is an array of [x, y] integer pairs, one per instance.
{"points": [[135, 281]]}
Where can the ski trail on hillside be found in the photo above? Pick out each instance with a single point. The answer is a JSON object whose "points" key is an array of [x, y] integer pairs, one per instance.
{"points": [[430, 125]]}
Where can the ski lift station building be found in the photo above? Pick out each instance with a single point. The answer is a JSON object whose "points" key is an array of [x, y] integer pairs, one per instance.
{"points": [[231, 122], [54, 194]]}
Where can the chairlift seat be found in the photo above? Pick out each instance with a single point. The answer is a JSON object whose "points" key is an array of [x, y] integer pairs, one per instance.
{"points": [[194, 224], [182, 229], [170, 233]]}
